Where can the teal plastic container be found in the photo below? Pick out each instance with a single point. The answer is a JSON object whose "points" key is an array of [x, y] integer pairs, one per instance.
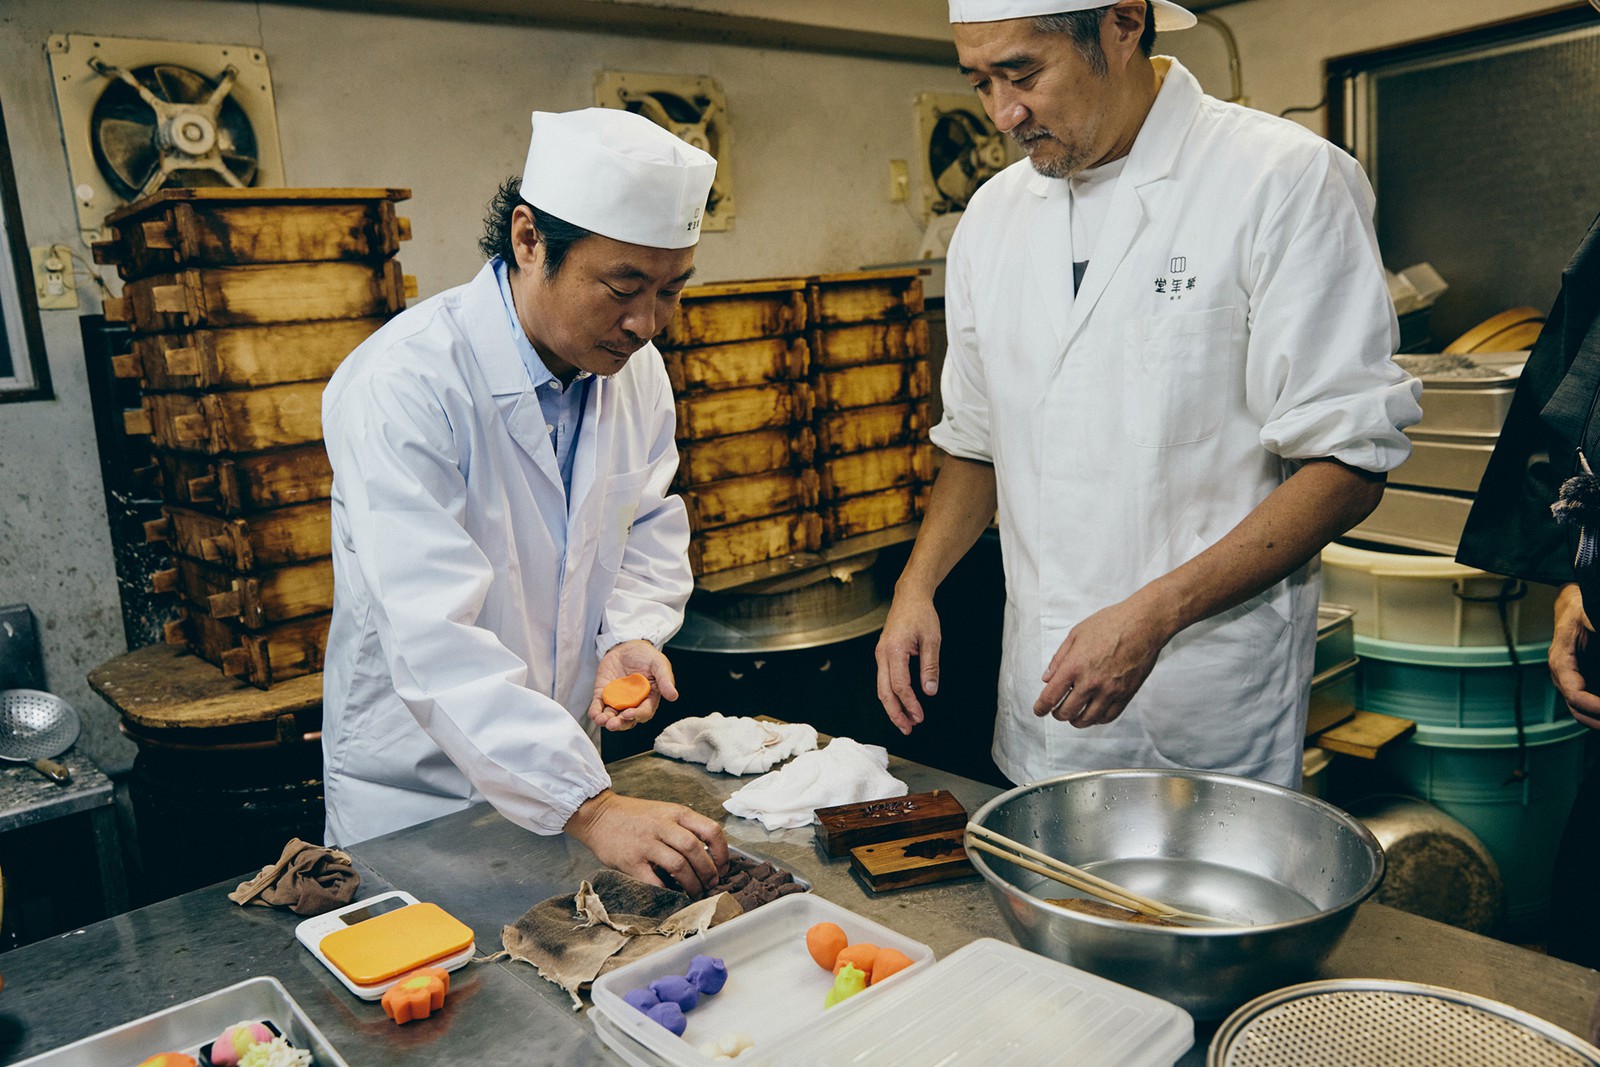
{"points": [[1441, 685], [1467, 774]]}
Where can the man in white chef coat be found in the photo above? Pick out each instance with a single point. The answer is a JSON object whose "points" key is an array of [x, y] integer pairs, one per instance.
{"points": [[504, 538], [1169, 374]]}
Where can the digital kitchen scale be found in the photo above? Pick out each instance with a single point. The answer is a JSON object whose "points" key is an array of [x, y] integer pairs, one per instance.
{"points": [[373, 943]]}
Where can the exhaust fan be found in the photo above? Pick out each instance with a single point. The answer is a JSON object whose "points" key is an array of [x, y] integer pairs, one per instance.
{"points": [[961, 149], [691, 107], [140, 116]]}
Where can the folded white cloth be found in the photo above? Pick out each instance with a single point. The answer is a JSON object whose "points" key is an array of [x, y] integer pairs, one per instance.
{"points": [[843, 773], [735, 745]]}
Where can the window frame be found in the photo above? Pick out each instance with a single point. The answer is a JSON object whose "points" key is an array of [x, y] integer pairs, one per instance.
{"points": [[19, 305]]}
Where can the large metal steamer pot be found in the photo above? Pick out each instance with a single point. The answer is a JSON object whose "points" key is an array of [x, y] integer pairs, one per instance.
{"points": [[1292, 866]]}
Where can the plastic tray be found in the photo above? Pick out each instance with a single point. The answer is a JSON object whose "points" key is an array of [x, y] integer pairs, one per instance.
{"points": [[774, 992], [990, 1002], [188, 1026]]}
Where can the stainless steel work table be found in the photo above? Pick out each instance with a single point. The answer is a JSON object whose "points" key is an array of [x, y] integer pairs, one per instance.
{"points": [[487, 872]]}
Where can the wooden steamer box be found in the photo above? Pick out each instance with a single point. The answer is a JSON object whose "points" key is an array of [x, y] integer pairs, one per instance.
{"points": [[248, 544], [225, 227], [289, 650], [738, 361], [244, 358], [789, 448], [245, 420], [255, 601], [757, 541], [737, 311], [242, 483], [243, 303]]}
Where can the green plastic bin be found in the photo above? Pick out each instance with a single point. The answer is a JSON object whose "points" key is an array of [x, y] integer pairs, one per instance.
{"points": [[1461, 687], [1467, 774]]}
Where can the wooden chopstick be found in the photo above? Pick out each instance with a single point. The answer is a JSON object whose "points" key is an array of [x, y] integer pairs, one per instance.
{"points": [[986, 840]]}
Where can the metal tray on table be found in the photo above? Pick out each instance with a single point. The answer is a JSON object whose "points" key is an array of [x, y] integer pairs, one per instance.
{"points": [[188, 1026]]}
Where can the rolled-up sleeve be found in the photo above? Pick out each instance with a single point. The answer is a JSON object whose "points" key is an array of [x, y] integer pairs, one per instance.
{"points": [[1321, 378], [964, 428]]}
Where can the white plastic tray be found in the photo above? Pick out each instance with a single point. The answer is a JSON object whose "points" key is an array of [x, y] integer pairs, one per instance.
{"points": [[990, 1002], [774, 992], [188, 1026]]}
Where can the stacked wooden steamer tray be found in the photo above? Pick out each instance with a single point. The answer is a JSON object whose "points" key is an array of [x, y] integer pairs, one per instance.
{"points": [[802, 412], [870, 381], [242, 303]]}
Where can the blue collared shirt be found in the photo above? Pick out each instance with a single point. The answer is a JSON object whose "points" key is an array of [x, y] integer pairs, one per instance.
{"points": [[562, 404]]}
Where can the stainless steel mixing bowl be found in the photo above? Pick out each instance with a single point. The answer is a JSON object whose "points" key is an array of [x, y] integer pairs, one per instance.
{"points": [[1292, 867]]}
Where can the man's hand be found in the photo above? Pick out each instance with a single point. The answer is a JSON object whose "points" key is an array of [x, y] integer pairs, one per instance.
{"points": [[1103, 662], [632, 657], [645, 839], [1569, 649], [912, 629]]}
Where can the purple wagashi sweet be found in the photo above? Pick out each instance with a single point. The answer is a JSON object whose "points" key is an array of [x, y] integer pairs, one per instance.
{"points": [[643, 999], [669, 1015], [707, 974], [678, 990]]}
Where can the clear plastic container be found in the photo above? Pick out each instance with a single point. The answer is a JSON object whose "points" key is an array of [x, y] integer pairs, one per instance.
{"points": [[990, 1002], [775, 989]]}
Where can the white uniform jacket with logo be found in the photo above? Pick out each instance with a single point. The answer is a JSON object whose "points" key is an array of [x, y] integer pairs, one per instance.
{"points": [[465, 639], [1234, 318]]}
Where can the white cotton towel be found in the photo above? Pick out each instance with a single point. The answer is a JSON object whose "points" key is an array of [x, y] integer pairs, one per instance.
{"points": [[845, 772], [735, 745]]}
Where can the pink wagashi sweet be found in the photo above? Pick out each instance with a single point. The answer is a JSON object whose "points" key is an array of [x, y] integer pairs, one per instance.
{"points": [[236, 1040]]}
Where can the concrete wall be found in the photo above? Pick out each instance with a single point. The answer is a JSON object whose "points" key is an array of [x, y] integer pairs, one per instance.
{"points": [[441, 107]]}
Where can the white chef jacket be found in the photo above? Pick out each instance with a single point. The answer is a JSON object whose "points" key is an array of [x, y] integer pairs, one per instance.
{"points": [[465, 635], [1234, 318]]}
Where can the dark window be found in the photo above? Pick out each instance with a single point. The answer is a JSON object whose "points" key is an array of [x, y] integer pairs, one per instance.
{"points": [[1484, 149]]}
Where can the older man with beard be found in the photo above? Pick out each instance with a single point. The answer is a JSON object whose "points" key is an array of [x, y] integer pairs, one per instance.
{"points": [[1169, 376]]}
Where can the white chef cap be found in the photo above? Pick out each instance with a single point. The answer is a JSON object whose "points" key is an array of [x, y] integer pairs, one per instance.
{"points": [[1169, 16], [619, 175]]}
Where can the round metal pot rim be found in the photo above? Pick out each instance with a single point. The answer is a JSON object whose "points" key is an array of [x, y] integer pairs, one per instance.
{"points": [[1354, 825]]}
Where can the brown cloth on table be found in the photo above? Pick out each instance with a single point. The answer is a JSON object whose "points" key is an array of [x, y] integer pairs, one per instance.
{"points": [[307, 879], [574, 939]]}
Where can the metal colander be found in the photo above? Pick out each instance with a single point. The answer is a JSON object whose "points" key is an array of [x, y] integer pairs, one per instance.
{"points": [[1362, 1022], [35, 725]]}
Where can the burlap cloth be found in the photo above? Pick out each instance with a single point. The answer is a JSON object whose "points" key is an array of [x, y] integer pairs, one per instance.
{"points": [[572, 940], [307, 879]]}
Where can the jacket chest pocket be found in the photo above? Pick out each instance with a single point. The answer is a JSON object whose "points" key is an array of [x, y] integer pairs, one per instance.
{"points": [[620, 505], [1176, 376]]}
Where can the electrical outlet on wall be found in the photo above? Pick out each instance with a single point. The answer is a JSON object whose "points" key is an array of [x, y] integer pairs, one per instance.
{"points": [[53, 283]]}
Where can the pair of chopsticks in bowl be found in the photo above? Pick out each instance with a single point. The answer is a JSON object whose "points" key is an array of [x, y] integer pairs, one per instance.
{"points": [[996, 844]]}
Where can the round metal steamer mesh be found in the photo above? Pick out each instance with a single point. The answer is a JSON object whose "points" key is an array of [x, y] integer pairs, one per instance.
{"points": [[35, 725], [1371, 1028]]}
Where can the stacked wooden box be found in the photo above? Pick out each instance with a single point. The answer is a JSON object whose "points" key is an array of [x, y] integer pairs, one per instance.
{"points": [[802, 412], [737, 357], [242, 303], [870, 384]]}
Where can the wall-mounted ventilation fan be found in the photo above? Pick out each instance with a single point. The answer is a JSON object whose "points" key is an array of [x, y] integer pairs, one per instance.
{"points": [[139, 116], [689, 106], [961, 149]]}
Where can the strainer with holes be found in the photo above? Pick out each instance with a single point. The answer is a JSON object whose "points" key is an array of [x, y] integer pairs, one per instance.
{"points": [[35, 727], [1370, 1022]]}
